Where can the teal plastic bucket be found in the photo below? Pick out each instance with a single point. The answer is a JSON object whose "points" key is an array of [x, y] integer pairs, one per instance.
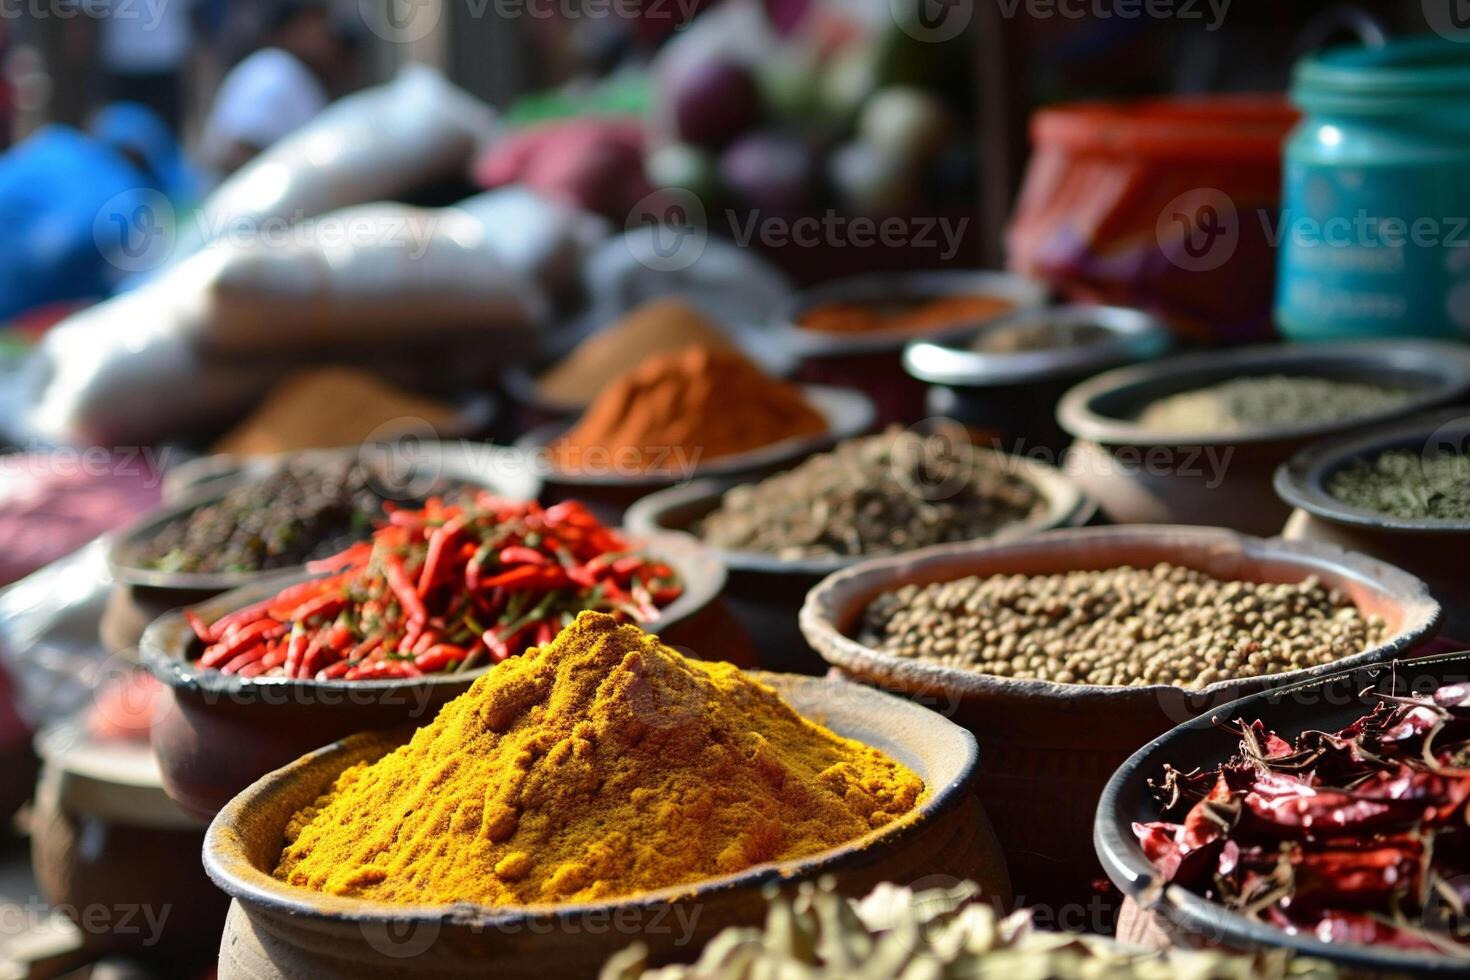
{"points": [[1374, 234]]}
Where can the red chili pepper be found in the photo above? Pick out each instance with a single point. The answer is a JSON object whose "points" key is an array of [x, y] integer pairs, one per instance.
{"points": [[226, 649], [408, 598], [439, 541], [438, 657], [248, 656], [354, 556], [295, 650], [521, 555], [528, 576], [199, 626], [333, 671]]}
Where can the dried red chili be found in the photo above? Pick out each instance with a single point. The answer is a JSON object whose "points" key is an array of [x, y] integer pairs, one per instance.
{"points": [[1359, 835]]}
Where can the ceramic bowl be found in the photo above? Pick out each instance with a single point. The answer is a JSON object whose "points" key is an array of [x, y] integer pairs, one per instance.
{"points": [[1327, 703], [1142, 476], [765, 592], [216, 733], [608, 494], [279, 931], [873, 362], [1049, 747], [1014, 395], [1431, 549]]}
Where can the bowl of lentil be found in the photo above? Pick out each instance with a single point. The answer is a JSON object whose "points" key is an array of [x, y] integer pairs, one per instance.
{"points": [[668, 876], [1059, 652], [1196, 438], [872, 495], [1378, 904], [1007, 377], [1399, 492], [852, 332], [266, 720]]}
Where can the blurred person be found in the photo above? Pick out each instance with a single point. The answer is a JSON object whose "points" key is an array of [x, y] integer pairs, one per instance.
{"points": [[61, 192], [142, 49], [279, 88]]}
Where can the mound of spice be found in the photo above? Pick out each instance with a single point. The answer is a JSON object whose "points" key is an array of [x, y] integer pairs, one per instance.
{"points": [[682, 407], [1021, 338], [303, 509], [1407, 485], [601, 765], [891, 492], [1357, 836], [1121, 626], [903, 315], [1269, 401], [328, 407], [656, 326], [441, 589], [953, 933]]}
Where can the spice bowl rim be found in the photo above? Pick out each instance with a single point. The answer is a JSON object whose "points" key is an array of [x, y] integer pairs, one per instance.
{"points": [[847, 412], [234, 873], [1067, 506], [1301, 480], [1023, 292], [452, 460], [164, 646], [1083, 410], [1129, 869], [838, 601], [1134, 335]]}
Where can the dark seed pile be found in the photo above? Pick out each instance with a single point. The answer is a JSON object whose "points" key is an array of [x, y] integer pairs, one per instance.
{"points": [[895, 491], [301, 511], [1120, 627], [1407, 485], [1268, 401], [1021, 338]]}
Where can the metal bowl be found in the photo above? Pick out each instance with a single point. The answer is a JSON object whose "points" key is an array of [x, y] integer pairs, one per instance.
{"points": [[1050, 747], [216, 733], [277, 930], [1141, 475], [1326, 703]]}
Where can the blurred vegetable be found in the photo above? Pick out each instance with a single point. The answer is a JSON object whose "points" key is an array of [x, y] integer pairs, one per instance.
{"points": [[714, 100], [769, 170]]}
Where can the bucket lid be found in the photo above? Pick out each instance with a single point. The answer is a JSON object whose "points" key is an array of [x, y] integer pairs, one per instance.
{"points": [[1404, 75], [1214, 127]]}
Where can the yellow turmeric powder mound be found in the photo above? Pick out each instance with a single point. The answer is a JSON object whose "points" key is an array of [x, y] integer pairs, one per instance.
{"points": [[602, 764]]}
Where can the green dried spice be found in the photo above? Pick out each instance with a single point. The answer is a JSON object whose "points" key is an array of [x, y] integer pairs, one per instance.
{"points": [[897, 934], [1407, 485], [1268, 401]]}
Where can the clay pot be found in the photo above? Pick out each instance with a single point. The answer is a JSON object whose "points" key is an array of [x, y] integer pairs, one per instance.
{"points": [[1176, 916], [279, 931], [217, 733], [766, 592], [1049, 747], [117, 857], [1142, 476], [1432, 549], [609, 493]]}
